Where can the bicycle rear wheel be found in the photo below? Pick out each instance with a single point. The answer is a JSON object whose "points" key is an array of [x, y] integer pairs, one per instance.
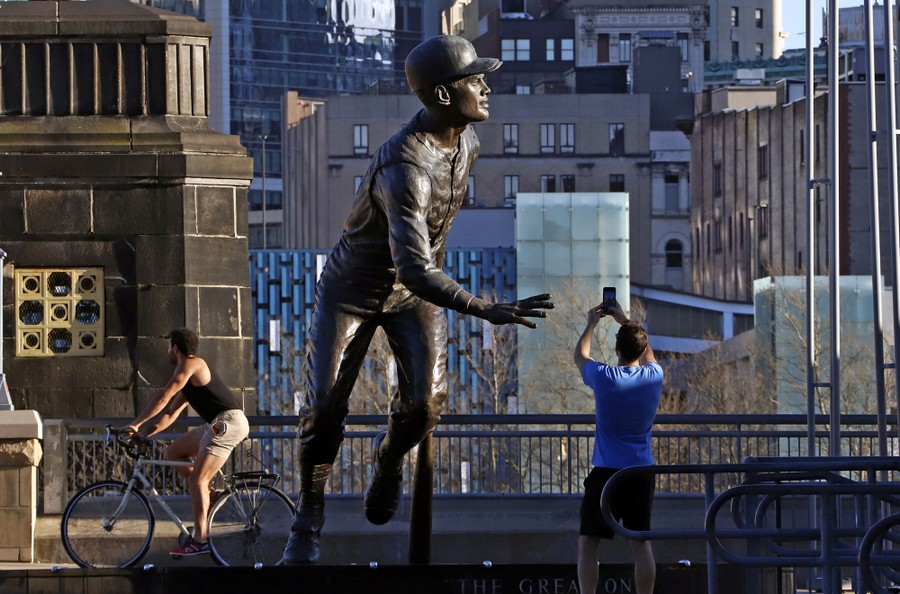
{"points": [[100, 528], [250, 525]]}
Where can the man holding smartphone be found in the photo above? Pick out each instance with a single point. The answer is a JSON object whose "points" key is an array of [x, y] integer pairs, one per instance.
{"points": [[626, 396]]}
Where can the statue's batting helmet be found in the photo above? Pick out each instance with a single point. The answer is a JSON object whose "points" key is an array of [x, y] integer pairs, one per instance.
{"points": [[442, 59]]}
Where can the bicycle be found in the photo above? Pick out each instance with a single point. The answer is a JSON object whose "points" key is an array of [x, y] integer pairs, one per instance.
{"points": [[110, 523]]}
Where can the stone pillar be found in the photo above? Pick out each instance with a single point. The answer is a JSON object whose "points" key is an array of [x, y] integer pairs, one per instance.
{"points": [[20, 455], [109, 161]]}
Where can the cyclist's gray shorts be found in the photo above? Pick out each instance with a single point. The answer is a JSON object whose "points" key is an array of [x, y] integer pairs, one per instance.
{"points": [[227, 430]]}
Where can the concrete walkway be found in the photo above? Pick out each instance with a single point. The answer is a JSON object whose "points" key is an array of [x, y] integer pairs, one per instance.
{"points": [[499, 530]]}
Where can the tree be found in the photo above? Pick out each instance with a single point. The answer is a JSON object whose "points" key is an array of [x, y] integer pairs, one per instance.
{"points": [[551, 383]]}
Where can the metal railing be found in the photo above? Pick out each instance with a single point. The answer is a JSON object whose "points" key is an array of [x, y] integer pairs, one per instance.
{"points": [[823, 514], [496, 455]]}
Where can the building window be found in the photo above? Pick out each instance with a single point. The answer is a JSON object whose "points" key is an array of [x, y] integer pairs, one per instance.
{"points": [[616, 139], [548, 183], [357, 182], [802, 150], [624, 47], [674, 253], [523, 50], [717, 235], [762, 161], [523, 90], [735, 50], [730, 233], [361, 139], [274, 199], [510, 186], [616, 182], [510, 138], [567, 182], [548, 138], [763, 219], [735, 17], [470, 190], [717, 179], [707, 52], [759, 50], [59, 312], [551, 50], [671, 193], [567, 49], [683, 45], [758, 15], [818, 144], [603, 48], [274, 236], [567, 138], [741, 228], [515, 50], [708, 239], [818, 198]]}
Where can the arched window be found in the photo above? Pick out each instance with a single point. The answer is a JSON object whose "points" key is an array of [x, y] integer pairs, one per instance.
{"points": [[674, 253]]}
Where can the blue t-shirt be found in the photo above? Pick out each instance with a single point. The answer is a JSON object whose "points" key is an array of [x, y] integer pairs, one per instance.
{"points": [[626, 398]]}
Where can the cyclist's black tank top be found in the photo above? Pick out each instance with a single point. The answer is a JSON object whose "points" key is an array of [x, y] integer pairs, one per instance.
{"points": [[211, 399]]}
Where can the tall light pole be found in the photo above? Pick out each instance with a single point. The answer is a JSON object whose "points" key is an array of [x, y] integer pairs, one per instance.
{"points": [[264, 239], [5, 400]]}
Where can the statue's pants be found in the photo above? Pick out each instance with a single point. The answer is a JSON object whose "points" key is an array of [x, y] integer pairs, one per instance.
{"points": [[338, 340]]}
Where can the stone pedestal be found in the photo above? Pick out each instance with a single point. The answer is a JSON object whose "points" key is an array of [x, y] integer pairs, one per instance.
{"points": [[20, 455]]}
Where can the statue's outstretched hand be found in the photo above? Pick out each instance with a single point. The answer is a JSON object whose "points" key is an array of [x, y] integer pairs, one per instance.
{"points": [[518, 312]]}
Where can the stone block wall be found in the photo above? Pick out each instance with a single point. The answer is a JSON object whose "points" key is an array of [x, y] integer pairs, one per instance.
{"points": [[111, 163]]}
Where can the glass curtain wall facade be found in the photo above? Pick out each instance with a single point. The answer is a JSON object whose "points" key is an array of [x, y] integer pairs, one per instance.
{"points": [[315, 47], [571, 246]]}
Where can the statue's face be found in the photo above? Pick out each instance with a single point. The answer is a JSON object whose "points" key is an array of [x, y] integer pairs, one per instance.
{"points": [[470, 97]]}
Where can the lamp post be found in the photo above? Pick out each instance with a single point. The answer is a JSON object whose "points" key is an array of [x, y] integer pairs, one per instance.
{"points": [[263, 137], [5, 400]]}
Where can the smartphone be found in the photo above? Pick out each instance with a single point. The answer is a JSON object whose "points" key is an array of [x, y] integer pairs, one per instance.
{"points": [[609, 295]]}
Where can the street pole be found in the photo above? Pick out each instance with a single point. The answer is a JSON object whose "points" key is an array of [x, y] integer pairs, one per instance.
{"points": [[264, 239], [5, 400]]}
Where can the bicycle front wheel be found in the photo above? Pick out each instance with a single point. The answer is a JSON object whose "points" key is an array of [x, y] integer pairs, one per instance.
{"points": [[250, 525], [103, 527]]}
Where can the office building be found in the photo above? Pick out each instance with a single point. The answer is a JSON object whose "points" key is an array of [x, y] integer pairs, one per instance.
{"points": [[532, 143], [261, 49]]}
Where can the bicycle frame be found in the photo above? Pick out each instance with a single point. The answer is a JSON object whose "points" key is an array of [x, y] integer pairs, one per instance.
{"points": [[150, 490]]}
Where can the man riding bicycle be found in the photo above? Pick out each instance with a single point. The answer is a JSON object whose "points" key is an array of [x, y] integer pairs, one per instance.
{"points": [[208, 445]]}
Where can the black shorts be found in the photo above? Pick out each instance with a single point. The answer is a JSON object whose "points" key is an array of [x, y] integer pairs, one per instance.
{"points": [[630, 502]]}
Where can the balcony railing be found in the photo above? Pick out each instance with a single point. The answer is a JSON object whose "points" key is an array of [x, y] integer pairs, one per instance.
{"points": [[486, 455]]}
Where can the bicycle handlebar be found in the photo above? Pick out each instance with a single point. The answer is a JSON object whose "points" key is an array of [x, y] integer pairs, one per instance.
{"points": [[134, 445]]}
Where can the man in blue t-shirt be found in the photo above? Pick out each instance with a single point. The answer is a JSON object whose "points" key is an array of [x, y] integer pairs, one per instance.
{"points": [[626, 397]]}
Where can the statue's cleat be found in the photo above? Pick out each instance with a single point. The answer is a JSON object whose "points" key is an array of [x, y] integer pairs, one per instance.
{"points": [[303, 547], [384, 492]]}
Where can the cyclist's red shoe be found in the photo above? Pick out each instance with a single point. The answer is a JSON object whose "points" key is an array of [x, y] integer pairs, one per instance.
{"points": [[190, 548]]}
